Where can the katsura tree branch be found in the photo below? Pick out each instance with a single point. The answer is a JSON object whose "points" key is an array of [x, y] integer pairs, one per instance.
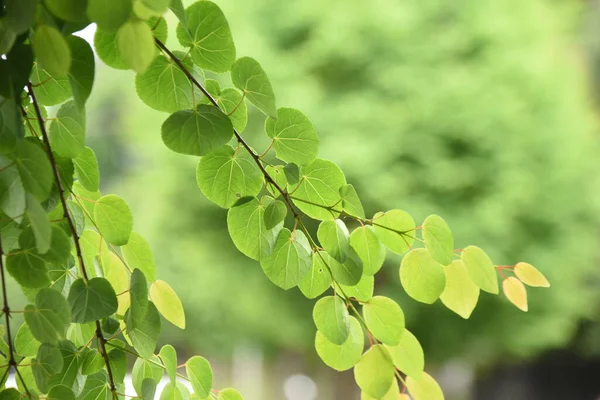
{"points": [[67, 214]]}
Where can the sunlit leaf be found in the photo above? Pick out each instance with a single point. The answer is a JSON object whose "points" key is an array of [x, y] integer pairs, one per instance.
{"points": [[200, 374], [351, 203], [275, 214], [374, 373], [480, 268], [331, 319], [438, 239], [530, 275], [67, 130], [461, 293], [109, 15], [333, 236], [343, 356], [408, 355], [167, 302], [248, 76], [424, 388], [86, 168], [369, 248], [138, 254], [515, 292], [51, 50], [294, 136], [136, 44], [395, 228], [385, 319], [289, 261], [114, 219], [317, 279], [421, 276]]}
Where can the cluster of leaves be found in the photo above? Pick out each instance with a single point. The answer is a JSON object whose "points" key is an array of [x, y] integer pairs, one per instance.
{"points": [[73, 251]]}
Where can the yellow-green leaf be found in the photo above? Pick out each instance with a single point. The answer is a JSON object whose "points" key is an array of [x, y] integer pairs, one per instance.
{"points": [[530, 275], [515, 292], [461, 293], [424, 388], [167, 302], [481, 269]]}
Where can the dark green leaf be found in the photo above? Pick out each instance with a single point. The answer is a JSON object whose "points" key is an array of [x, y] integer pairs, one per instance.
{"points": [[109, 15], [34, 168], [49, 317], [67, 131], [86, 168], [92, 301], [275, 214], [81, 74], [51, 50]]}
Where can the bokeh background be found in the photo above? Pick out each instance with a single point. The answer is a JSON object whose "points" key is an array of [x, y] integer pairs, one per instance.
{"points": [[482, 111]]}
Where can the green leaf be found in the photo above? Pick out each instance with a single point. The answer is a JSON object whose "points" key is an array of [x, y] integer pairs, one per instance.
{"points": [[424, 388], [245, 222], [90, 243], [167, 302], [200, 374], [480, 268], [25, 377], [395, 228], [67, 131], [277, 173], [530, 275], [333, 236], [49, 90], [168, 355], [317, 192], [197, 132], [12, 193], [11, 127], [248, 76], [60, 248], [92, 362], [374, 373], [144, 334], [226, 175], [39, 224], [81, 73], [109, 15], [19, 14], [351, 203], [25, 344], [292, 173], [164, 87], [136, 45], [294, 136], [118, 364], [317, 279], [211, 43], [7, 37], [34, 169], [460, 294], [138, 294], [385, 319], [28, 269], [69, 375], [86, 168], [275, 214], [49, 317], [47, 363], [229, 394], [290, 260], [114, 219], [96, 388], [60, 392], [116, 274], [349, 272], [80, 334], [345, 356], [51, 50], [438, 239], [408, 355], [145, 369], [137, 254], [92, 301], [177, 8], [362, 291], [369, 248], [332, 319], [392, 394], [68, 10], [421, 276], [105, 44], [157, 6], [232, 103], [175, 391], [10, 393]]}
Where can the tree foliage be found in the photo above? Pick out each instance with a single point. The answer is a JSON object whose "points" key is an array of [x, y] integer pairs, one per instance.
{"points": [[92, 283]]}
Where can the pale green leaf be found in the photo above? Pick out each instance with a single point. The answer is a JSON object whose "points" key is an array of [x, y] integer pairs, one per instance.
{"points": [[167, 302], [232, 103], [385, 319], [331, 319], [211, 42], [481, 269], [137, 254], [246, 225], [25, 344], [421, 276], [164, 87], [114, 219], [289, 261], [168, 355], [136, 45], [226, 175], [392, 394], [52, 50], [351, 203], [200, 374], [438, 239], [175, 391], [277, 173], [197, 132], [145, 369], [86, 168], [49, 90], [362, 291], [229, 394], [12, 192], [395, 228], [275, 214], [34, 168], [369, 248], [408, 355], [248, 76], [374, 373], [333, 236], [294, 136], [461, 293], [317, 192], [67, 131], [317, 279], [345, 356], [424, 388]]}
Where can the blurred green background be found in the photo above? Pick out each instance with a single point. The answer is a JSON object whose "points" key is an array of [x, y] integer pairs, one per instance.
{"points": [[480, 111]]}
